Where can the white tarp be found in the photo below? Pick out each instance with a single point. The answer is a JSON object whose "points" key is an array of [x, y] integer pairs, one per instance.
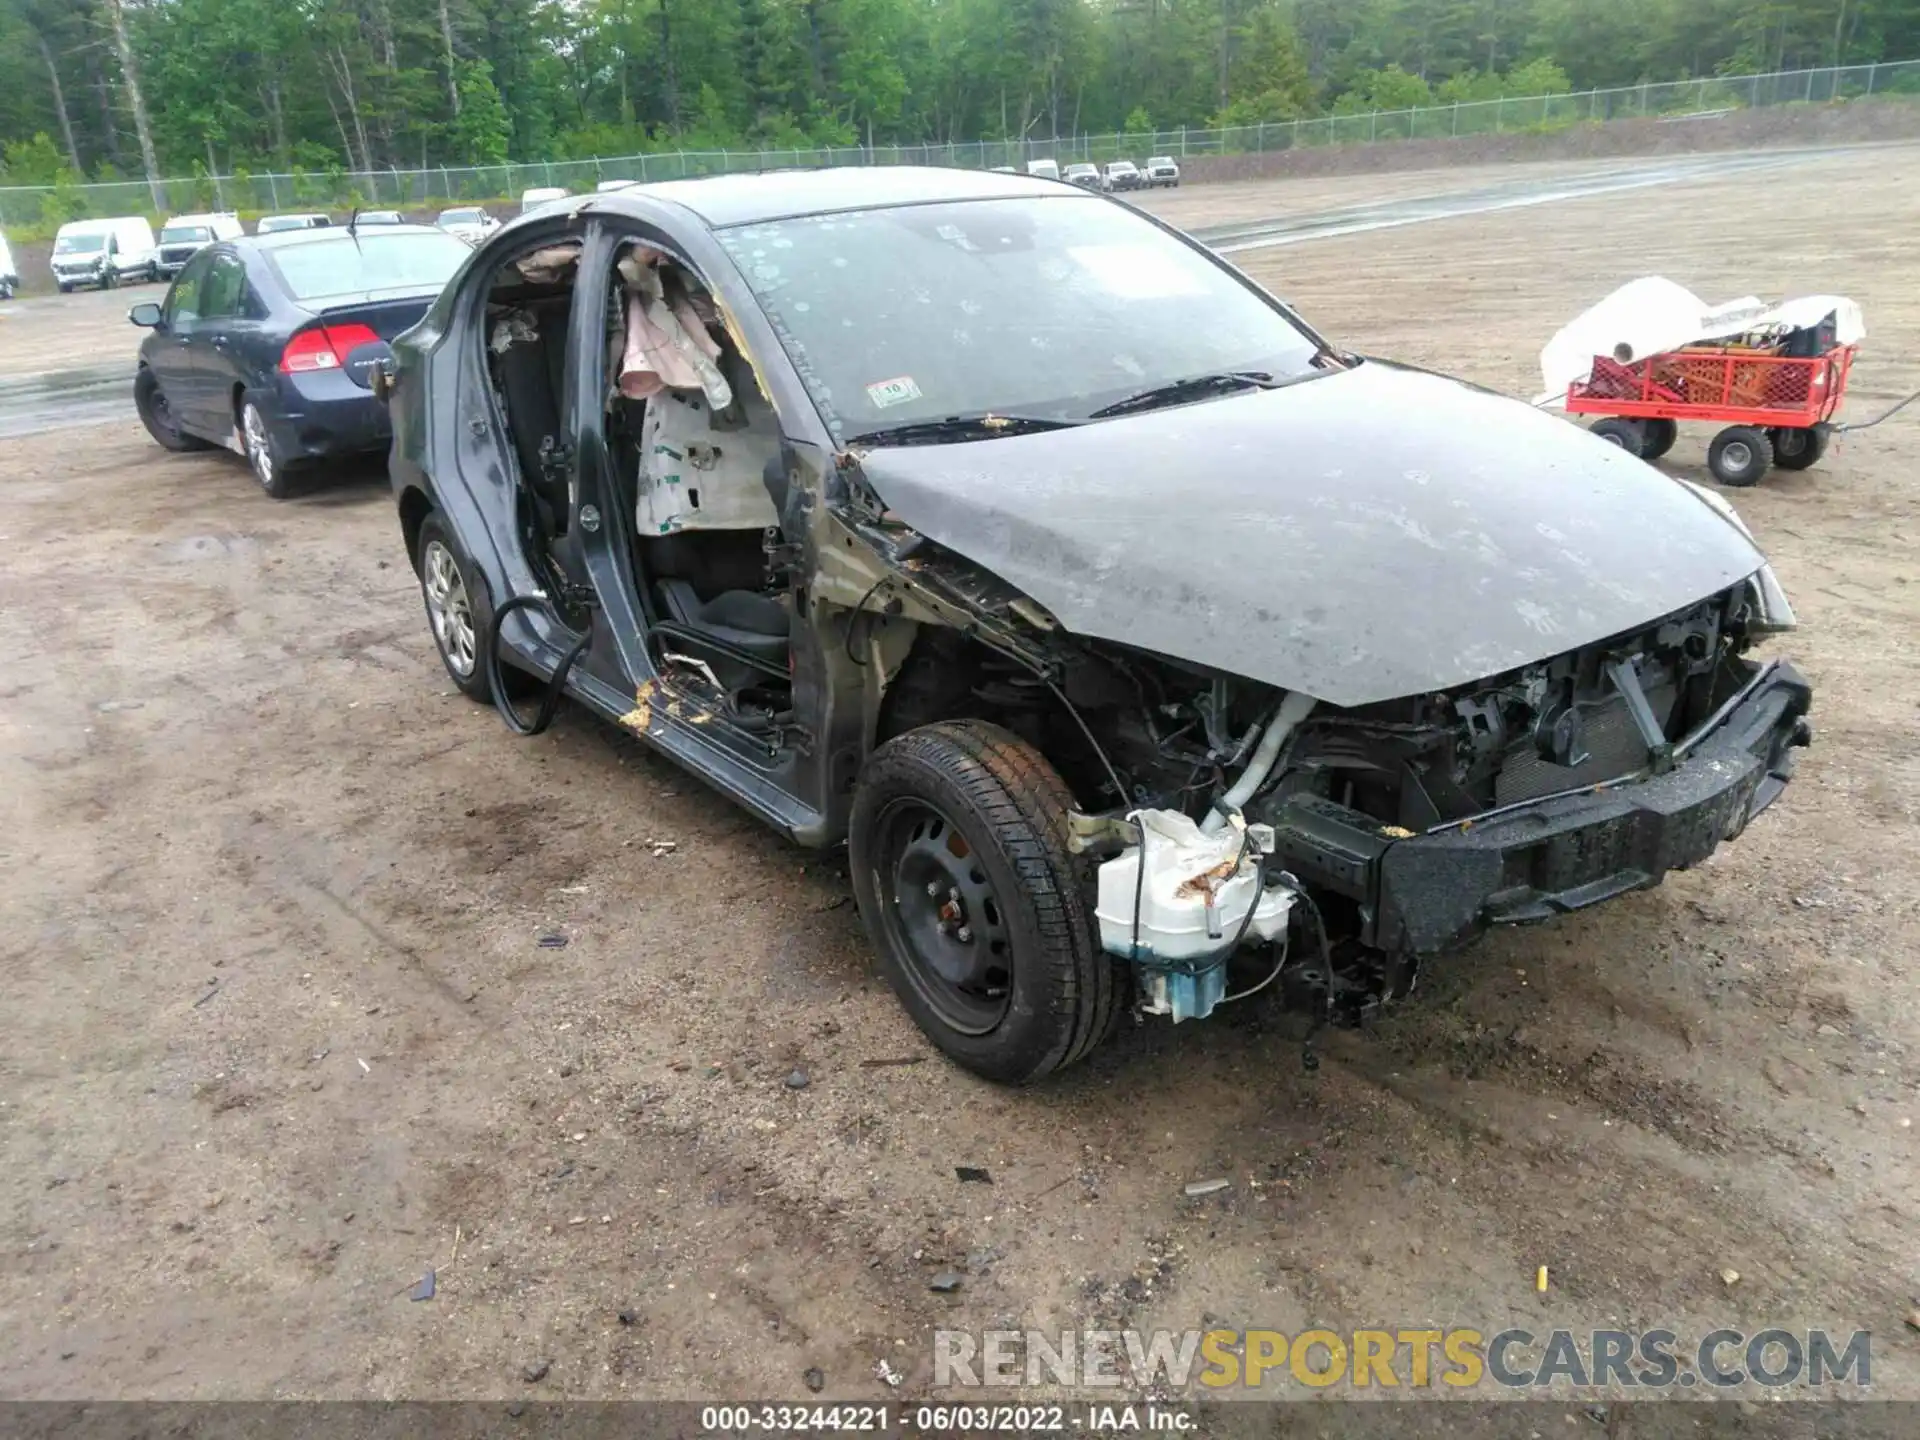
{"points": [[1652, 316]]}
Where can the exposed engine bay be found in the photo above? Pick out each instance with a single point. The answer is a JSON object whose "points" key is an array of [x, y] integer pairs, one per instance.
{"points": [[1203, 792]]}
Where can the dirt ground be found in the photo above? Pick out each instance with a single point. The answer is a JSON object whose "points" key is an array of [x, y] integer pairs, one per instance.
{"points": [[281, 1033]]}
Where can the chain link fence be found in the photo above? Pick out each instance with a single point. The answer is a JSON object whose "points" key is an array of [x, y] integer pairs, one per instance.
{"points": [[444, 186]]}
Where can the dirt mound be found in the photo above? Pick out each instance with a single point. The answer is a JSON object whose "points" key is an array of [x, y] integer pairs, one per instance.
{"points": [[1842, 123]]}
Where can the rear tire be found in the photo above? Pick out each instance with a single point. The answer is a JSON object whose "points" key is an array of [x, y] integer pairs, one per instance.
{"points": [[1800, 449], [1627, 434], [157, 415], [975, 906], [1658, 438], [1739, 456], [448, 586], [263, 453]]}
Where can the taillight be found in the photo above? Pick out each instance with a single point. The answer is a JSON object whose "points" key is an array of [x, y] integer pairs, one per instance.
{"points": [[323, 347]]}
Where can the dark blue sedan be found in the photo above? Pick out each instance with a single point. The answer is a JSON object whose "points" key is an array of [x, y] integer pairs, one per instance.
{"points": [[266, 344]]}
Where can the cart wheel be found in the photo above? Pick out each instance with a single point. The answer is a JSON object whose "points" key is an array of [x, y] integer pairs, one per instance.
{"points": [[1800, 449], [1660, 437], [1740, 455], [1629, 435]]}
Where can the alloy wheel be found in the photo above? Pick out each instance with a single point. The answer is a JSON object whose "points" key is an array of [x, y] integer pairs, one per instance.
{"points": [[253, 430], [448, 607]]}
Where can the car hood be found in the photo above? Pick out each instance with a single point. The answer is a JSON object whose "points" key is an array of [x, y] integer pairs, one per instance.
{"points": [[1371, 534]]}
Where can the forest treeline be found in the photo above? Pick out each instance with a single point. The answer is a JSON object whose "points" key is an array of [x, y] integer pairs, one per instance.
{"points": [[99, 89]]}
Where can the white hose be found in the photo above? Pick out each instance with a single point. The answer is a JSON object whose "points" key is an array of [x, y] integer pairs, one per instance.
{"points": [[1293, 709]]}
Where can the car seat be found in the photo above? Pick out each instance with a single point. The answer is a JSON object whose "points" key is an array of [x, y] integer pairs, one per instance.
{"points": [[743, 621]]}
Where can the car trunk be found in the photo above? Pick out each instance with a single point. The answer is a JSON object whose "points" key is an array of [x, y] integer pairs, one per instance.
{"points": [[373, 325]]}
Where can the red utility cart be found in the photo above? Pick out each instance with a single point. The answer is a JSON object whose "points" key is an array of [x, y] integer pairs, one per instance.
{"points": [[1778, 408]]}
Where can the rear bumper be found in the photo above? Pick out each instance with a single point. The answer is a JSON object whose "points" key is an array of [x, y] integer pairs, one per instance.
{"points": [[1548, 857], [323, 414]]}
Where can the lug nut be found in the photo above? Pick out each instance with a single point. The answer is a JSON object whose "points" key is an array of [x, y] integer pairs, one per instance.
{"points": [[933, 889], [964, 933]]}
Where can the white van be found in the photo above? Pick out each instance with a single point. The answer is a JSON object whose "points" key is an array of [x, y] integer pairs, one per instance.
{"points": [[183, 235], [541, 195], [9, 273], [1044, 169], [104, 252]]}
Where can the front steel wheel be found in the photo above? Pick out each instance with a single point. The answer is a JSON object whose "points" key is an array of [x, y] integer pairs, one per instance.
{"points": [[978, 911], [944, 924]]}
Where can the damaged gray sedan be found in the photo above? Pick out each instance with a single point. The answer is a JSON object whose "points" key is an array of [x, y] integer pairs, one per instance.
{"points": [[1146, 649]]}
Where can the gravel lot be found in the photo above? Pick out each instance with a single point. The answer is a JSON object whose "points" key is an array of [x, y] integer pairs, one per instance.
{"points": [[281, 1034]]}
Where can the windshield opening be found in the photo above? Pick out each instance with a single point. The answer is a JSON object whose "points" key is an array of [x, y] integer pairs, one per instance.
{"points": [[79, 244], [1047, 308], [184, 234], [459, 217], [340, 266]]}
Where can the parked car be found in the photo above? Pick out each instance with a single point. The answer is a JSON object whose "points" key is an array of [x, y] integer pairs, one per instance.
{"points": [[9, 272], [379, 217], [1186, 641], [104, 252], [264, 344], [469, 222], [1162, 171], [1087, 177], [1005, 170], [305, 220], [1123, 175], [182, 237], [541, 195], [1044, 169]]}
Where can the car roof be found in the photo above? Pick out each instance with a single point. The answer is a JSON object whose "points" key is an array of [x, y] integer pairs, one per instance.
{"points": [[723, 200]]}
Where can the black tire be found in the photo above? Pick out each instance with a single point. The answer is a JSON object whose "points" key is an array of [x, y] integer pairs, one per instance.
{"points": [[1739, 456], [65, 288], [459, 654], [277, 478], [1627, 434], [157, 415], [981, 811], [1657, 438], [1800, 449], [109, 279]]}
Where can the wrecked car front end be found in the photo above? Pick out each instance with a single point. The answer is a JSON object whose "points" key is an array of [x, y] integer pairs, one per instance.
{"points": [[1389, 697]]}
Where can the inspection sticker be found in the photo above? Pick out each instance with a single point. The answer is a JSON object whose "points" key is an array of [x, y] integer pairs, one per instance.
{"points": [[897, 391]]}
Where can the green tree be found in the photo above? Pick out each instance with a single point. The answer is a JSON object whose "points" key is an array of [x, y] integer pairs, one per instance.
{"points": [[482, 131]]}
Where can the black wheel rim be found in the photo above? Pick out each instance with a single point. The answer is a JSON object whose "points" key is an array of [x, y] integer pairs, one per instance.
{"points": [[941, 917], [1790, 442]]}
